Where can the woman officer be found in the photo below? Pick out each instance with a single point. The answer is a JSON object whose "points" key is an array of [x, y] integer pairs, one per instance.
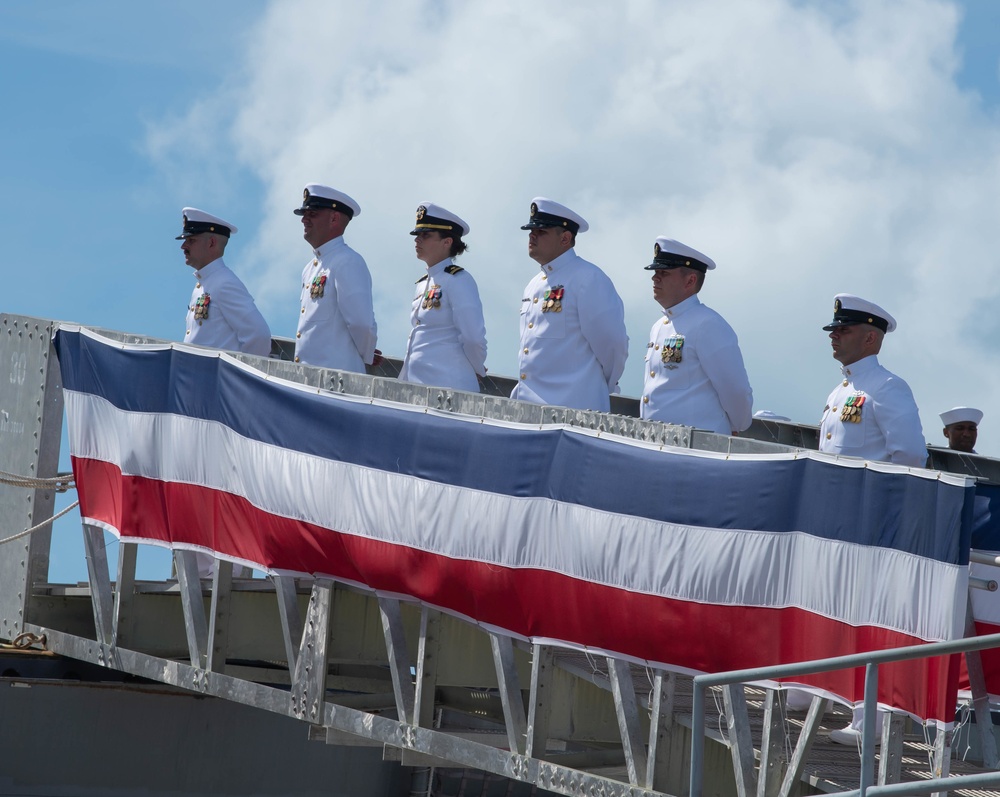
{"points": [[447, 343]]}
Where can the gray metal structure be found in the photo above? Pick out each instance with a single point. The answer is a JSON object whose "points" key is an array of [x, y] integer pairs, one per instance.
{"points": [[358, 670]]}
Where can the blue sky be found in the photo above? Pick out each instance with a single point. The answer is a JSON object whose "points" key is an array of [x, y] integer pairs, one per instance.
{"points": [[809, 147]]}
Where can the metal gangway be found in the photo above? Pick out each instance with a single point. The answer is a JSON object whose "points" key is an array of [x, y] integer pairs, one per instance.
{"points": [[423, 702]]}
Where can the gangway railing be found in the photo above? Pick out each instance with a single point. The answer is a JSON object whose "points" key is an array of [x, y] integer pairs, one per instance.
{"points": [[870, 661]]}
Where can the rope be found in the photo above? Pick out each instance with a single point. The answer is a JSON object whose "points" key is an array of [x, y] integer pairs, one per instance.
{"points": [[58, 483], [41, 525]]}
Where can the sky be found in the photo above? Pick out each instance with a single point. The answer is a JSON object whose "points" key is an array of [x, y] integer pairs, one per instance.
{"points": [[808, 147]]}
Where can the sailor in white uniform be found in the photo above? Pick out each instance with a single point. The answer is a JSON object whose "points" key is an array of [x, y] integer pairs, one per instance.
{"points": [[447, 343], [870, 414], [336, 326], [573, 343], [221, 313], [694, 373], [961, 428]]}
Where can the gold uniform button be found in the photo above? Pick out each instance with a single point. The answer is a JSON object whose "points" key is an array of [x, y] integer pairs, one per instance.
{"points": [[666, 320], [315, 261], [531, 325], [652, 373], [544, 276], [645, 399], [296, 359], [303, 309], [535, 300], [828, 435], [417, 322], [198, 285], [833, 409], [524, 376], [845, 383], [526, 350], [188, 332], [298, 334]]}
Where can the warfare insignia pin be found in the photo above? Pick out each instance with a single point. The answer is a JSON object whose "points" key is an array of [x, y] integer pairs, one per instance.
{"points": [[672, 353], [318, 287], [201, 308]]}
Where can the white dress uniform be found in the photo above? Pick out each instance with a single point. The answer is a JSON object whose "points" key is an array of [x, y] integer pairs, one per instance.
{"points": [[872, 414], [573, 339], [447, 343], [222, 313], [694, 372], [336, 318]]}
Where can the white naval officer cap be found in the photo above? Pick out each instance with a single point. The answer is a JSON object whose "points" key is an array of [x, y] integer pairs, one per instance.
{"points": [[435, 217], [961, 415], [198, 221], [849, 309], [546, 213], [668, 253], [316, 196]]}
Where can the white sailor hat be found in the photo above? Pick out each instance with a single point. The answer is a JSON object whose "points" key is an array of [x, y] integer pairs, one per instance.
{"points": [[848, 310], [961, 415], [435, 217], [316, 196], [546, 213], [198, 221], [767, 415], [668, 253]]}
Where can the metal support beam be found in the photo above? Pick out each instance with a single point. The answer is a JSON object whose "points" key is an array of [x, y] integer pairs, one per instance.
{"points": [[740, 743], [541, 706], [980, 696], [661, 728], [125, 593], [772, 745], [399, 661], [428, 650], [218, 624], [942, 757], [193, 605], [510, 693], [291, 619], [100, 583], [309, 677], [890, 763], [627, 712], [796, 765]]}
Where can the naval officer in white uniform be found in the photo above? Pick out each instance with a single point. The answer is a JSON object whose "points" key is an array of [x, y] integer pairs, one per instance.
{"points": [[573, 341], [694, 373], [222, 313], [870, 414], [447, 343], [336, 326]]}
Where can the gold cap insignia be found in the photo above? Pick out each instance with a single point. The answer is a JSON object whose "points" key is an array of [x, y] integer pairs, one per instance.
{"points": [[185, 218], [656, 250], [534, 208], [420, 212], [836, 305], [305, 194]]}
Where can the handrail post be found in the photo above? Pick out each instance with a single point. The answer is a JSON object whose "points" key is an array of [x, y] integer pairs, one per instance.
{"points": [[870, 713], [697, 738]]}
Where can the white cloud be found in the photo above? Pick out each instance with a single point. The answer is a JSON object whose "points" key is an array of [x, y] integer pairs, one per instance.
{"points": [[810, 148]]}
